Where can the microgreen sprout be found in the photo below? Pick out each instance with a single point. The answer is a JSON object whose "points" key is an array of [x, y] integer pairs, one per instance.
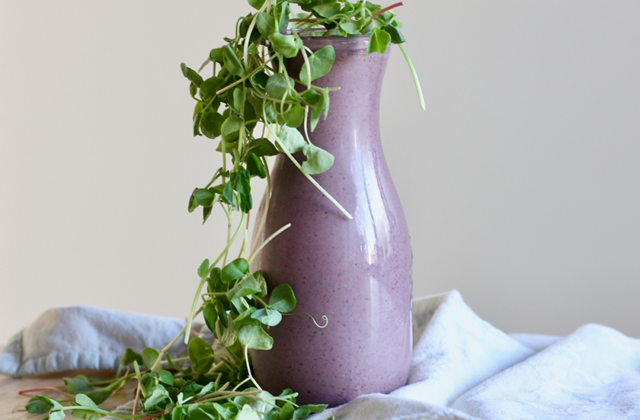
{"points": [[254, 108]]}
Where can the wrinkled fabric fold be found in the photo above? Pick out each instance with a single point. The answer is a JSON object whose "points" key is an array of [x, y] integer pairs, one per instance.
{"points": [[463, 368], [84, 337]]}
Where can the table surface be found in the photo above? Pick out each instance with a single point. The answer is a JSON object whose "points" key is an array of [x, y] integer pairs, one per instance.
{"points": [[11, 400]]}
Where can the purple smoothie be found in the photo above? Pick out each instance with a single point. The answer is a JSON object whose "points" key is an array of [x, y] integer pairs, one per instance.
{"points": [[356, 272]]}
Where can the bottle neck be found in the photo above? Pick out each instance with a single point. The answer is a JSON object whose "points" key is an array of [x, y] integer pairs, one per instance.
{"points": [[354, 112]]}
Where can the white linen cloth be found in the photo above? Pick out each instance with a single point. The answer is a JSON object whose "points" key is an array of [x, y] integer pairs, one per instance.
{"points": [[463, 368], [85, 338]]}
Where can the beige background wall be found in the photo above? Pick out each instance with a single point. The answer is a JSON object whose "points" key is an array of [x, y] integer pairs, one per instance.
{"points": [[521, 182]]}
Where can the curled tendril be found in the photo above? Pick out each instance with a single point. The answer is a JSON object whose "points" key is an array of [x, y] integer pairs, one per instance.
{"points": [[324, 318], [326, 322]]}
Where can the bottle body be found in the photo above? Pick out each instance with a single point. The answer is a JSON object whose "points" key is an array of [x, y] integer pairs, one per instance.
{"points": [[355, 272]]}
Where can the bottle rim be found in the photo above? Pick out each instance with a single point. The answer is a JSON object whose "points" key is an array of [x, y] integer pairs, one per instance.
{"points": [[314, 39]]}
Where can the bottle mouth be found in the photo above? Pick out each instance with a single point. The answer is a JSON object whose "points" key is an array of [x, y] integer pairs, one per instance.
{"points": [[316, 38]]}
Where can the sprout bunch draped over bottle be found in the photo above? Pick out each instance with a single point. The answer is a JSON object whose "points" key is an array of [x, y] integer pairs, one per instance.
{"points": [[253, 108]]}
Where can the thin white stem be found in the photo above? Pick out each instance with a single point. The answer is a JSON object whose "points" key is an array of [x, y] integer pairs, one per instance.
{"points": [[415, 76], [246, 358], [269, 239], [248, 35], [224, 260], [313, 181], [244, 238], [263, 220], [237, 82], [203, 280], [246, 242], [167, 348]]}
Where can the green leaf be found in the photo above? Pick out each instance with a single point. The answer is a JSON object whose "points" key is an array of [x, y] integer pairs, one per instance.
{"points": [[270, 111], [334, 32], [229, 335], [214, 280], [294, 117], [327, 10], [165, 377], [177, 413], [196, 124], [56, 415], [86, 414], [230, 147], [262, 282], [211, 124], [378, 42], [238, 99], [247, 413], [210, 316], [315, 113], [100, 395], [254, 337], [291, 139], [208, 387], [267, 316], [85, 401], [222, 314], [320, 63], [287, 411], [266, 24], [318, 160], [209, 87], [256, 4], [350, 27], [203, 269], [236, 269], [200, 354], [316, 408], [386, 18], [77, 385], [255, 166], [396, 35], [216, 55], [149, 356], [227, 193], [231, 129], [325, 102], [206, 212], [277, 86], [193, 204], [287, 45], [158, 395], [311, 97], [241, 182], [246, 203], [205, 197], [225, 412], [245, 287], [56, 405], [38, 405], [283, 10], [245, 317], [199, 412], [282, 299], [260, 79], [372, 6], [193, 90], [232, 62], [301, 413], [191, 74]]}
